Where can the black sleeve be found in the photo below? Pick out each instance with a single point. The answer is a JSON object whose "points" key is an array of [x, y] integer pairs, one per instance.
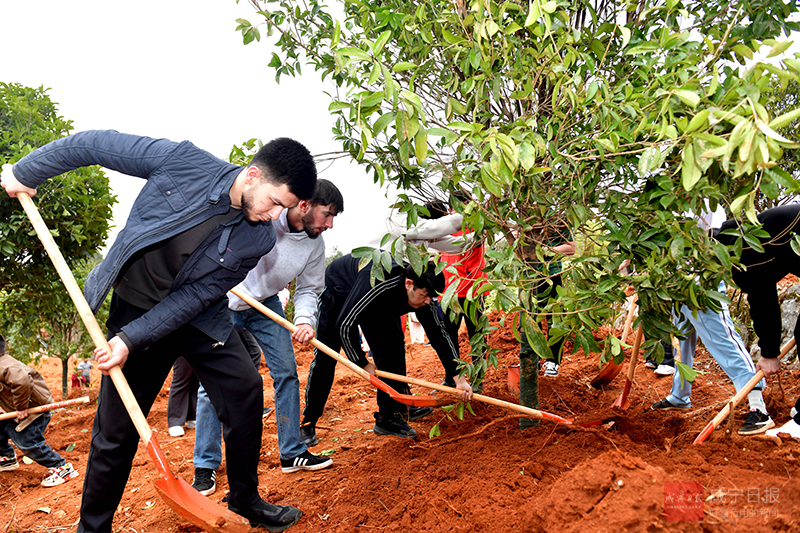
{"points": [[436, 330]]}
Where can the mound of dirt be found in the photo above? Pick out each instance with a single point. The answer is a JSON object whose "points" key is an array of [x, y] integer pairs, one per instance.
{"points": [[482, 473]]}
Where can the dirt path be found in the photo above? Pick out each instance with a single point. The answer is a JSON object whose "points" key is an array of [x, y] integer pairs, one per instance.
{"points": [[482, 473]]}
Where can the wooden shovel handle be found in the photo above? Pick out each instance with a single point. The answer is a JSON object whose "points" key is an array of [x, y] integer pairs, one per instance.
{"points": [[637, 343], [46, 407], [533, 413], [86, 314], [255, 304], [738, 397], [629, 319]]}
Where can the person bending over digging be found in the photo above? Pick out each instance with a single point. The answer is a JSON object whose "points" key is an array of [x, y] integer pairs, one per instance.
{"points": [[349, 301], [299, 253], [195, 230], [21, 388], [720, 337], [759, 278]]}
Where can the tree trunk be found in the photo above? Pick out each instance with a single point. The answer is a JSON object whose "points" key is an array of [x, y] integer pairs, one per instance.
{"points": [[64, 375]]}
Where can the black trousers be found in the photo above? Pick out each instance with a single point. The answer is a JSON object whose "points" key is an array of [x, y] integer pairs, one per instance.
{"points": [[182, 403], [387, 344], [235, 390]]}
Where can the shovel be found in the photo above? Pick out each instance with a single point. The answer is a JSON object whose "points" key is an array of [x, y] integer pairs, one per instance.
{"points": [[738, 398], [403, 398], [622, 402], [176, 492], [532, 413], [610, 371], [46, 407], [407, 399]]}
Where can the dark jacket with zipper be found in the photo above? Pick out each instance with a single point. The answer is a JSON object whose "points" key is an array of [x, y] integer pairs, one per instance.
{"points": [[185, 187]]}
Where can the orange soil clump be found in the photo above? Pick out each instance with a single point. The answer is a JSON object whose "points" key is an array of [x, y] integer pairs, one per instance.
{"points": [[482, 473]]}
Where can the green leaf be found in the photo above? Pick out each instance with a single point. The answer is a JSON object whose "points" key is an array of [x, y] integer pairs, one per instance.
{"points": [[626, 35], [380, 42], [743, 51], [779, 48], [738, 203], [698, 120], [685, 372], [648, 160], [70, 447], [784, 119], [533, 14], [689, 98], [536, 338], [421, 145], [527, 155], [403, 65], [690, 172], [328, 452], [355, 53], [549, 7], [383, 121]]}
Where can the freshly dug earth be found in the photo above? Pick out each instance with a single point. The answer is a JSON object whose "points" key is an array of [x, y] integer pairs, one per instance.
{"points": [[482, 473]]}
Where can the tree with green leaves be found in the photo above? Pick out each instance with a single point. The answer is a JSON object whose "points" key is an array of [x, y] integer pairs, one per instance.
{"points": [[616, 119], [35, 308]]}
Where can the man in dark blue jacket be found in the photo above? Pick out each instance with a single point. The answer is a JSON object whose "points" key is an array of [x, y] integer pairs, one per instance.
{"points": [[195, 230]]}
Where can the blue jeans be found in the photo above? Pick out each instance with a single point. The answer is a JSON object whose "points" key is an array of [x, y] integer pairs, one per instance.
{"points": [[30, 441], [276, 342], [721, 340]]}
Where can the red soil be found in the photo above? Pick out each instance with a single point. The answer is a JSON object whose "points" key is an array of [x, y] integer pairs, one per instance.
{"points": [[482, 473]]}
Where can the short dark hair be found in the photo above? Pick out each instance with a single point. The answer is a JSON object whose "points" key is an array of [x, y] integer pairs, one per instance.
{"points": [[436, 208], [286, 161], [326, 193], [430, 280], [2, 345]]}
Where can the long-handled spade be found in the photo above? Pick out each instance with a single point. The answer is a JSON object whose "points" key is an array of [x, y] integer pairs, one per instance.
{"points": [[407, 399], [726, 411], [176, 492], [622, 402], [610, 371], [46, 407], [403, 398]]}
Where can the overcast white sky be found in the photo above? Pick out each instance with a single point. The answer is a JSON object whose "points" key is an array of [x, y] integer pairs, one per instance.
{"points": [[176, 69]]}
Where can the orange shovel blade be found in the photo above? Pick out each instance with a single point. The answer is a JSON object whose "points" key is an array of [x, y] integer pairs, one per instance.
{"points": [[190, 504], [607, 374], [408, 399], [623, 402]]}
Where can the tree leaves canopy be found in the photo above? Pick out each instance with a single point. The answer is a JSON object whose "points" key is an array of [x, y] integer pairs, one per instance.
{"points": [[618, 119]]}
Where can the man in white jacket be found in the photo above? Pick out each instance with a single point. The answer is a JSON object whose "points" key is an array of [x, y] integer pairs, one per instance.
{"points": [[299, 253]]}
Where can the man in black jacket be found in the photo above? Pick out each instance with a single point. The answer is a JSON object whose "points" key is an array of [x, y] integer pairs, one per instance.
{"points": [[759, 277], [196, 229], [349, 301]]}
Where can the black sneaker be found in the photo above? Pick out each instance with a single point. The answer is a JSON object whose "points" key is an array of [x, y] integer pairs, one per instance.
{"points": [[393, 425], [305, 461], [755, 423], [271, 517], [205, 481], [308, 435], [415, 413], [664, 405]]}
